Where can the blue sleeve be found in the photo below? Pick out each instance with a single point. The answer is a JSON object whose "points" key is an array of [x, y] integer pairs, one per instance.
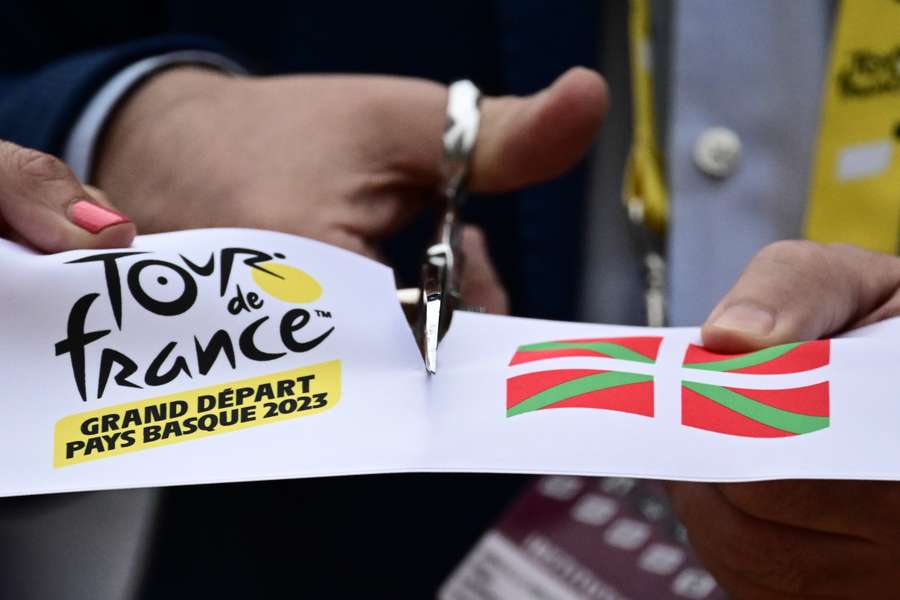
{"points": [[39, 106]]}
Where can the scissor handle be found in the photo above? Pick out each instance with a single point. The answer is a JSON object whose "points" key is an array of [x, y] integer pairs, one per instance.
{"points": [[442, 266]]}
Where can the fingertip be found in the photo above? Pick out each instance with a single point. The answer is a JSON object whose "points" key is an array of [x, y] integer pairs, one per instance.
{"points": [[728, 341], [570, 113], [84, 225], [586, 89], [116, 236], [68, 237], [111, 228], [523, 141], [94, 217], [740, 327]]}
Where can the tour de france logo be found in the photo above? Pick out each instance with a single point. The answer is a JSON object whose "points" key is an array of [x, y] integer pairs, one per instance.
{"points": [[740, 411], [276, 316]]}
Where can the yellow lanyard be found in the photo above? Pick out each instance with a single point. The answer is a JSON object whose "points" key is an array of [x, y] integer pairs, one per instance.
{"points": [[855, 189], [643, 186]]}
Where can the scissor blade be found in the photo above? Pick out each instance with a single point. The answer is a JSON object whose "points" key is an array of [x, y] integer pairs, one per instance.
{"points": [[433, 305]]}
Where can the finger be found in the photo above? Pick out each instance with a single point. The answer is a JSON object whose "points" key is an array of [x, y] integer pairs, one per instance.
{"points": [[796, 290], [98, 195], [829, 506], [345, 239], [480, 284], [522, 141], [787, 560], [45, 204]]}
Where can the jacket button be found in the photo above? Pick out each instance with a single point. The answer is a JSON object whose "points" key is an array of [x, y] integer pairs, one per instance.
{"points": [[717, 152]]}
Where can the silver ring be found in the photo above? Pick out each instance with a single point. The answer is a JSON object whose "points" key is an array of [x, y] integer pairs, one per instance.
{"points": [[460, 132]]}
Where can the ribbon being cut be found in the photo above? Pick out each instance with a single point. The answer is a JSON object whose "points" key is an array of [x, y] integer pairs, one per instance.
{"points": [[229, 355]]}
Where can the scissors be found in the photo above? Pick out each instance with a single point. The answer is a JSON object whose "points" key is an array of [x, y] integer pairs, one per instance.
{"points": [[430, 307]]}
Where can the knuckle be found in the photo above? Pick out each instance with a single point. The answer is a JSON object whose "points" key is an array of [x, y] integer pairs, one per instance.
{"points": [[763, 549], [39, 167], [7, 149], [844, 247], [787, 500], [884, 265], [794, 253], [747, 498], [790, 265]]}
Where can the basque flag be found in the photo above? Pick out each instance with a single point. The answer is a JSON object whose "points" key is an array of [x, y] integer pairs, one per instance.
{"points": [[757, 413], [786, 358], [584, 388]]}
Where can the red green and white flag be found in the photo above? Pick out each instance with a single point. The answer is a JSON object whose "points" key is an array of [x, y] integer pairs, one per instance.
{"points": [[786, 358], [740, 410], [755, 413], [640, 349], [779, 412], [580, 388], [584, 388]]}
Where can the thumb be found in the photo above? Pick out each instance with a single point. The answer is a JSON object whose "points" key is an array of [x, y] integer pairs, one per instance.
{"points": [[528, 140], [43, 203], [797, 290]]}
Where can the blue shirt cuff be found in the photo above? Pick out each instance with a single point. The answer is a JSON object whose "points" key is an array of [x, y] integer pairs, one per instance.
{"points": [[81, 143]]}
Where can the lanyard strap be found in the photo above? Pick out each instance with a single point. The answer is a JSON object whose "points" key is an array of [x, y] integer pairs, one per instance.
{"points": [[854, 194], [643, 185], [855, 188]]}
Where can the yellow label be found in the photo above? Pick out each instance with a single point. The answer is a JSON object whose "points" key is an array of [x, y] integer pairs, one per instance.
{"points": [[196, 413], [855, 187]]}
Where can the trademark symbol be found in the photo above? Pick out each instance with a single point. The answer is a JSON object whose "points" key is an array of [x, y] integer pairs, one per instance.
{"points": [[325, 314]]}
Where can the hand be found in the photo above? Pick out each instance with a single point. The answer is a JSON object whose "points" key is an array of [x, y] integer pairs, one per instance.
{"points": [[44, 205], [344, 159], [799, 539]]}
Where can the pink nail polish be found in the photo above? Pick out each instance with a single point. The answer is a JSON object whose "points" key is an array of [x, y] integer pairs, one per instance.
{"points": [[93, 217]]}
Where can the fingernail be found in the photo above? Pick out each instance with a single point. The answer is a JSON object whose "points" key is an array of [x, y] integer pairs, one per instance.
{"points": [[93, 217], [750, 319]]}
